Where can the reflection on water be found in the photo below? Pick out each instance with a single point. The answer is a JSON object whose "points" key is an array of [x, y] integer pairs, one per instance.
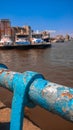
{"points": [[55, 63], [60, 54]]}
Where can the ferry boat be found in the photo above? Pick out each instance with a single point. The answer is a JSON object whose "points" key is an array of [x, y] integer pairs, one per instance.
{"points": [[6, 41], [33, 44], [38, 42], [21, 41]]}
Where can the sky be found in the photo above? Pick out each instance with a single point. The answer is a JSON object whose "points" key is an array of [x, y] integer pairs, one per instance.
{"points": [[39, 14]]}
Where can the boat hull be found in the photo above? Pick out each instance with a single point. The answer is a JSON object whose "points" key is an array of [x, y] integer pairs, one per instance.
{"points": [[34, 46]]}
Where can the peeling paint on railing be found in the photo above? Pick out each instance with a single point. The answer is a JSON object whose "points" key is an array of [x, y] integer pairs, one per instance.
{"points": [[31, 89]]}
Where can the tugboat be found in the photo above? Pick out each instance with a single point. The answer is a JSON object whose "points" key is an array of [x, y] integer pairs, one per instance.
{"points": [[6, 42]]}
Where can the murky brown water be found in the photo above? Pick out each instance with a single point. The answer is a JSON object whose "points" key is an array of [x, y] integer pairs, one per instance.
{"points": [[55, 63]]}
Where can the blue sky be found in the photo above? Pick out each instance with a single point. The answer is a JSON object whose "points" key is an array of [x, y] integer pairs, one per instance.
{"points": [[40, 14]]}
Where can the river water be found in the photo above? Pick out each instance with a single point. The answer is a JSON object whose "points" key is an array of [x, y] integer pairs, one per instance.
{"points": [[55, 63]]}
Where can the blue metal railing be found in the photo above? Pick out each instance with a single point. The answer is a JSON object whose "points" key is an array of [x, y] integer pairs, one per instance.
{"points": [[30, 89]]}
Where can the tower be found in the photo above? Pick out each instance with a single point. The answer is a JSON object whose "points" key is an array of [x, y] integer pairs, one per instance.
{"points": [[5, 27]]}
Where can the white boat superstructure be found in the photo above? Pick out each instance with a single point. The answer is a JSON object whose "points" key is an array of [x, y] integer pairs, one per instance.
{"points": [[22, 41], [37, 40], [6, 41]]}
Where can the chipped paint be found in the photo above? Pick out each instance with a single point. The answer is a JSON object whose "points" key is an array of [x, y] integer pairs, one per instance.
{"points": [[53, 97], [69, 95], [31, 88], [1, 71]]}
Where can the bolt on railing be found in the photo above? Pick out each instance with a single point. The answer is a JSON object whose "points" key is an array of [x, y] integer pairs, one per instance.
{"points": [[31, 89]]}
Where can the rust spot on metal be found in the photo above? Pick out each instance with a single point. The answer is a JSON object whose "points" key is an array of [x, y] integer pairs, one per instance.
{"points": [[64, 109], [67, 94], [8, 72], [1, 71]]}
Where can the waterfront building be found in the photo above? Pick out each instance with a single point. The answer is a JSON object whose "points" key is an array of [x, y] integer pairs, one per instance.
{"points": [[26, 31], [5, 27], [67, 37], [46, 35], [59, 38]]}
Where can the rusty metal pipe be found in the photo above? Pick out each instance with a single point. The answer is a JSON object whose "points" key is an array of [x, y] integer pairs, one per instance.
{"points": [[30, 89], [53, 97]]}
